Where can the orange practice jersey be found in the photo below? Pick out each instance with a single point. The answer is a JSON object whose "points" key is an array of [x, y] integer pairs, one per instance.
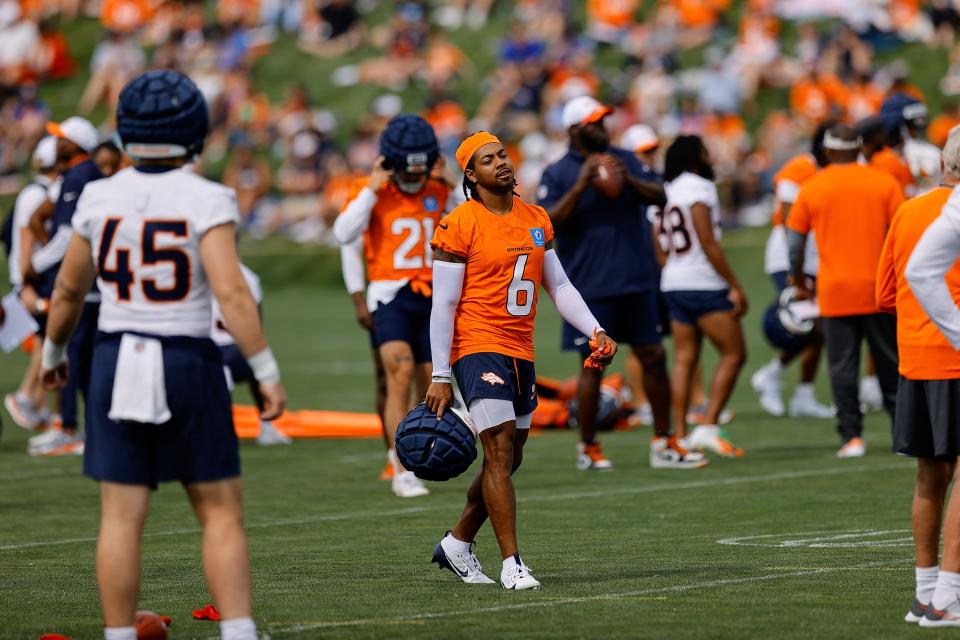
{"points": [[396, 242], [849, 207], [504, 268], [798, 170], [925, 354], [889, 161]]}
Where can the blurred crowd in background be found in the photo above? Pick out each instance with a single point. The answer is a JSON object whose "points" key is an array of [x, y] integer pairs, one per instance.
{"points": [[291, 162]]}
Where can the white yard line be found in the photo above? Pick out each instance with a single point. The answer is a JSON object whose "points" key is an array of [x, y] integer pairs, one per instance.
{"points": [[692, 586], [556, 497]]}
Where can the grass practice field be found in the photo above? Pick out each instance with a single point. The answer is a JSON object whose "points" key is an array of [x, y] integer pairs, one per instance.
{"points": [[787, 542]]}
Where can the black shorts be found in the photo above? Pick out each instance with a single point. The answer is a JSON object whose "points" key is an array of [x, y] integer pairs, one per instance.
{"points": [[927, 419], [687, 307], [197, 444]]}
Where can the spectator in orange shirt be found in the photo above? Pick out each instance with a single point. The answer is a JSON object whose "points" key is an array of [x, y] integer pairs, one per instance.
{"points": [[849, 207], [926, 421], [940, 126], [810, 99], [125, 16], [863, 99], [610, 20]]}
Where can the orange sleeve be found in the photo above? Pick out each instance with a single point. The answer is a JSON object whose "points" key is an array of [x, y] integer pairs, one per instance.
{"points": [[896, 199], [354, 190], [452, 236], [799, 219], [887, 277]]}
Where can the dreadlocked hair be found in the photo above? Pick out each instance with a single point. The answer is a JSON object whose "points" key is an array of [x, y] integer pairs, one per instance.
{"points": [[470, 190]]}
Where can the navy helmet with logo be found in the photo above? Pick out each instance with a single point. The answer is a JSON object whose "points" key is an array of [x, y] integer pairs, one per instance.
{"points": [[408, 143]]}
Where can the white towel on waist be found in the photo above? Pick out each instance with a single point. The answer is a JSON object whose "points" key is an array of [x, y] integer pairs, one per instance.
{"points": [[139, 388]]}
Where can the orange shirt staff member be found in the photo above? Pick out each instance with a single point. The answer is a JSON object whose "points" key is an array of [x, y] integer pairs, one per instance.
{"points": [[491, 254], [849, 207], [928, 395]]}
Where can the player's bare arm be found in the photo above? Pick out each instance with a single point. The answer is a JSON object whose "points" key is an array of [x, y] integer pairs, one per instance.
{"points": [[563, 209], [73, 282], [38, 221], [218, 252], [797, 248], [703, 225], [446, 256]]}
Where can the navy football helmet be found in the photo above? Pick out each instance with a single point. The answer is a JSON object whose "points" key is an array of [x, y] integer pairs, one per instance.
{"points": [[162, 114], [408, 143], [783, 328], [435, 449], [901, 109]]}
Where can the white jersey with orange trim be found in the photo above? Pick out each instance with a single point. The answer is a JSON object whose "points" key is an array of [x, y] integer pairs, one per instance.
{"points": [[144, 230], [218, 329], [687, 267]]}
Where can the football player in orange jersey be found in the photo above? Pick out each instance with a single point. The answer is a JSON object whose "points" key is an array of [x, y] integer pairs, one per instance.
{"points": [[395, 210], [926, 422], [767, 380], [491, 255]]}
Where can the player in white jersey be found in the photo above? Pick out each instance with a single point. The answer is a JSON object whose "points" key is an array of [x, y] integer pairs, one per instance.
{"points": [[235, 366], [703, 294], [161, 242], [27, 406]]}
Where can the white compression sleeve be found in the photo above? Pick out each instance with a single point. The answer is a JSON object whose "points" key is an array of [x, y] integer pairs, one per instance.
{"points": [[351, 266], [932, 257], [447, 287], [355, 217], [565, 296], [51, 253]]}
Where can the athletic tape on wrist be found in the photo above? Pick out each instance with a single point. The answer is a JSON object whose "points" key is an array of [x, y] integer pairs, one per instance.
{"points": [[440, 377], [52, 354], [264, 366]]}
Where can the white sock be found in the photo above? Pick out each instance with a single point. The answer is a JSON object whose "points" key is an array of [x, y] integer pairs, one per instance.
{"points": [[511, 562], [120, 633], [238, 629], [392, 457], [774, 367], [926, 582], [948, 587], [804, 391], [451, 544]]}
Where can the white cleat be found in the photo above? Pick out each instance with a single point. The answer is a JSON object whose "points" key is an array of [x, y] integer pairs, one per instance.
{"points": [[710, 437], [802, 406], [406, 485], [22, 411], [465, 565], [590, 458], [669, 453], [269, 435], [766, 382], [55, 442], [518, 578], [853, 448], [871, 397], [949, 617], [917, 611]]}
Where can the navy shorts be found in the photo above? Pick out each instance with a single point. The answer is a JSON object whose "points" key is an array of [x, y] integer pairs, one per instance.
{"points": [[406, 318], [197, 444], [233, 360], [497, 377], [687, 307], [630, 319]]}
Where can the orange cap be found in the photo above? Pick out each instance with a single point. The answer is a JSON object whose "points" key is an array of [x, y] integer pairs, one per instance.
{"points": [[470, 146]]}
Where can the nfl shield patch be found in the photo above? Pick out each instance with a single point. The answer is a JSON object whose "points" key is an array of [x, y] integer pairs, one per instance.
{"points": [[537, 235], [430, 204]]}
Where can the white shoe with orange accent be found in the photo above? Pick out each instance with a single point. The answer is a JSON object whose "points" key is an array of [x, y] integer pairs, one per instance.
{"points": [[58, 443], [698, 415], [270, 435], [948, 617], [710, 437], [22, 411], [590, 458], [669, 453], [853, 448]]}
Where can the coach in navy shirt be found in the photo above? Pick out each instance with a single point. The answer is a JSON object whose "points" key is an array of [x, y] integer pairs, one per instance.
{"points": [[76, 140], [606, 247]]}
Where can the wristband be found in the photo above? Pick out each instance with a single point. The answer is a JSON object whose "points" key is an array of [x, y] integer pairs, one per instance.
{"points": [[264, 366], [52, 354], [441, 377]]}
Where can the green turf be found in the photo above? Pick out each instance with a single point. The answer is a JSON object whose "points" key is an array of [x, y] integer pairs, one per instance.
{"points": [[628, 554]]}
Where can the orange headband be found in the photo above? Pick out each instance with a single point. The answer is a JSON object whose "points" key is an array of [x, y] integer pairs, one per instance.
{"points": [[470, 146]]}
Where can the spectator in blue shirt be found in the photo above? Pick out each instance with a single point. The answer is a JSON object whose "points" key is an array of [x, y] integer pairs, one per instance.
{"points": [[606, 247]]}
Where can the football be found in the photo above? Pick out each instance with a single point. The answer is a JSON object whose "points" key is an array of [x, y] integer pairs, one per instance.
{"points": [[150, 626], [609, 180]]}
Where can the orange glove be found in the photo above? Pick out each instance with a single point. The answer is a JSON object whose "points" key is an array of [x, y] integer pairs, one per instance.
{"points": [[209, 612], [600, 356]]}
